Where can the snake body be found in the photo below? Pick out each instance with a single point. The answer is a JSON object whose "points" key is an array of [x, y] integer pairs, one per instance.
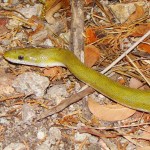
{"points": [[133, 98]]}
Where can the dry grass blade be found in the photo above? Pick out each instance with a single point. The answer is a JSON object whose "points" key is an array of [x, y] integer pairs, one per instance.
{"points": [[126, 52]]}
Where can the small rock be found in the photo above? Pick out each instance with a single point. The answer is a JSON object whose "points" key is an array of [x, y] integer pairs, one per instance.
{"points": [[57, 93], [54, 135], [41, 133], [88, 17], [6, 42], [15, 146], [98, 97], [72, 108], [27, 112], [48, 43], [123, 11], [29, 11], [20, 36], [4, 121], [31, 83], [42, 147], [80, 137], [93, 139], [56, 15], [95, 147], [13, 23]]}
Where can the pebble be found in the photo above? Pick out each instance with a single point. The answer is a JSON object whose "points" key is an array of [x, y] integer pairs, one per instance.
{"points": [[57, 93], [28, 11], [15, 146], [20, 36], [123, 11], [13, 23], [80, 137], [41, 133], [48, 43], [27, 112], [31, 83], [42, 147], [4, 121], [54, 135]]}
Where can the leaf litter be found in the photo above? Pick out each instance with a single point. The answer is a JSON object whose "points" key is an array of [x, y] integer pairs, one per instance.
{"points": [[108, 36]]}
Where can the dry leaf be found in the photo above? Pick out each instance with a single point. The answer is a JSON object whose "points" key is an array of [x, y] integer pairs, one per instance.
{"points": [[144, 47], [140, 30], [134, 83], [121, 80], [139, 12], [54, 72], [90, 35], [146, 134], [49, 14], [39, 25], [52, 7], [65, 3], [52, 3], [91, 55], [144, 148], [3, 28], [109, 112], [88, 1]]}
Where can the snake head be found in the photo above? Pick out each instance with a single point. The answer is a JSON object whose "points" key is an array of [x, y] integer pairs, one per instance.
{"points": [[33, 56]]}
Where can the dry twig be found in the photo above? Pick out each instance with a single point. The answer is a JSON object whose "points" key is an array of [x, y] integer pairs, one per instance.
{"points": [[68, 101]]}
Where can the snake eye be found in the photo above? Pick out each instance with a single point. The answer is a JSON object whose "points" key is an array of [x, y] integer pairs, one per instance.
{"points": [[20, 57]]}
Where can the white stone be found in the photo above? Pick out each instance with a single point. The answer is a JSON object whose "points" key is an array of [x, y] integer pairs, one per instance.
{"points": [[43, 147], [57, 93], [48, 42], [123, 11], [30, 11], [31, 83], [15, 146], [54, 135], [27, 112], [80, 137], [41, 134]]}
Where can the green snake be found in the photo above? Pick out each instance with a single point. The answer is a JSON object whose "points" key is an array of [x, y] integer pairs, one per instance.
{"points": [[132, 98]]}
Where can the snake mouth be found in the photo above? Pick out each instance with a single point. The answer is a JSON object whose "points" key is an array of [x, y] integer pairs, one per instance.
{"points": [[40, 64]]}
